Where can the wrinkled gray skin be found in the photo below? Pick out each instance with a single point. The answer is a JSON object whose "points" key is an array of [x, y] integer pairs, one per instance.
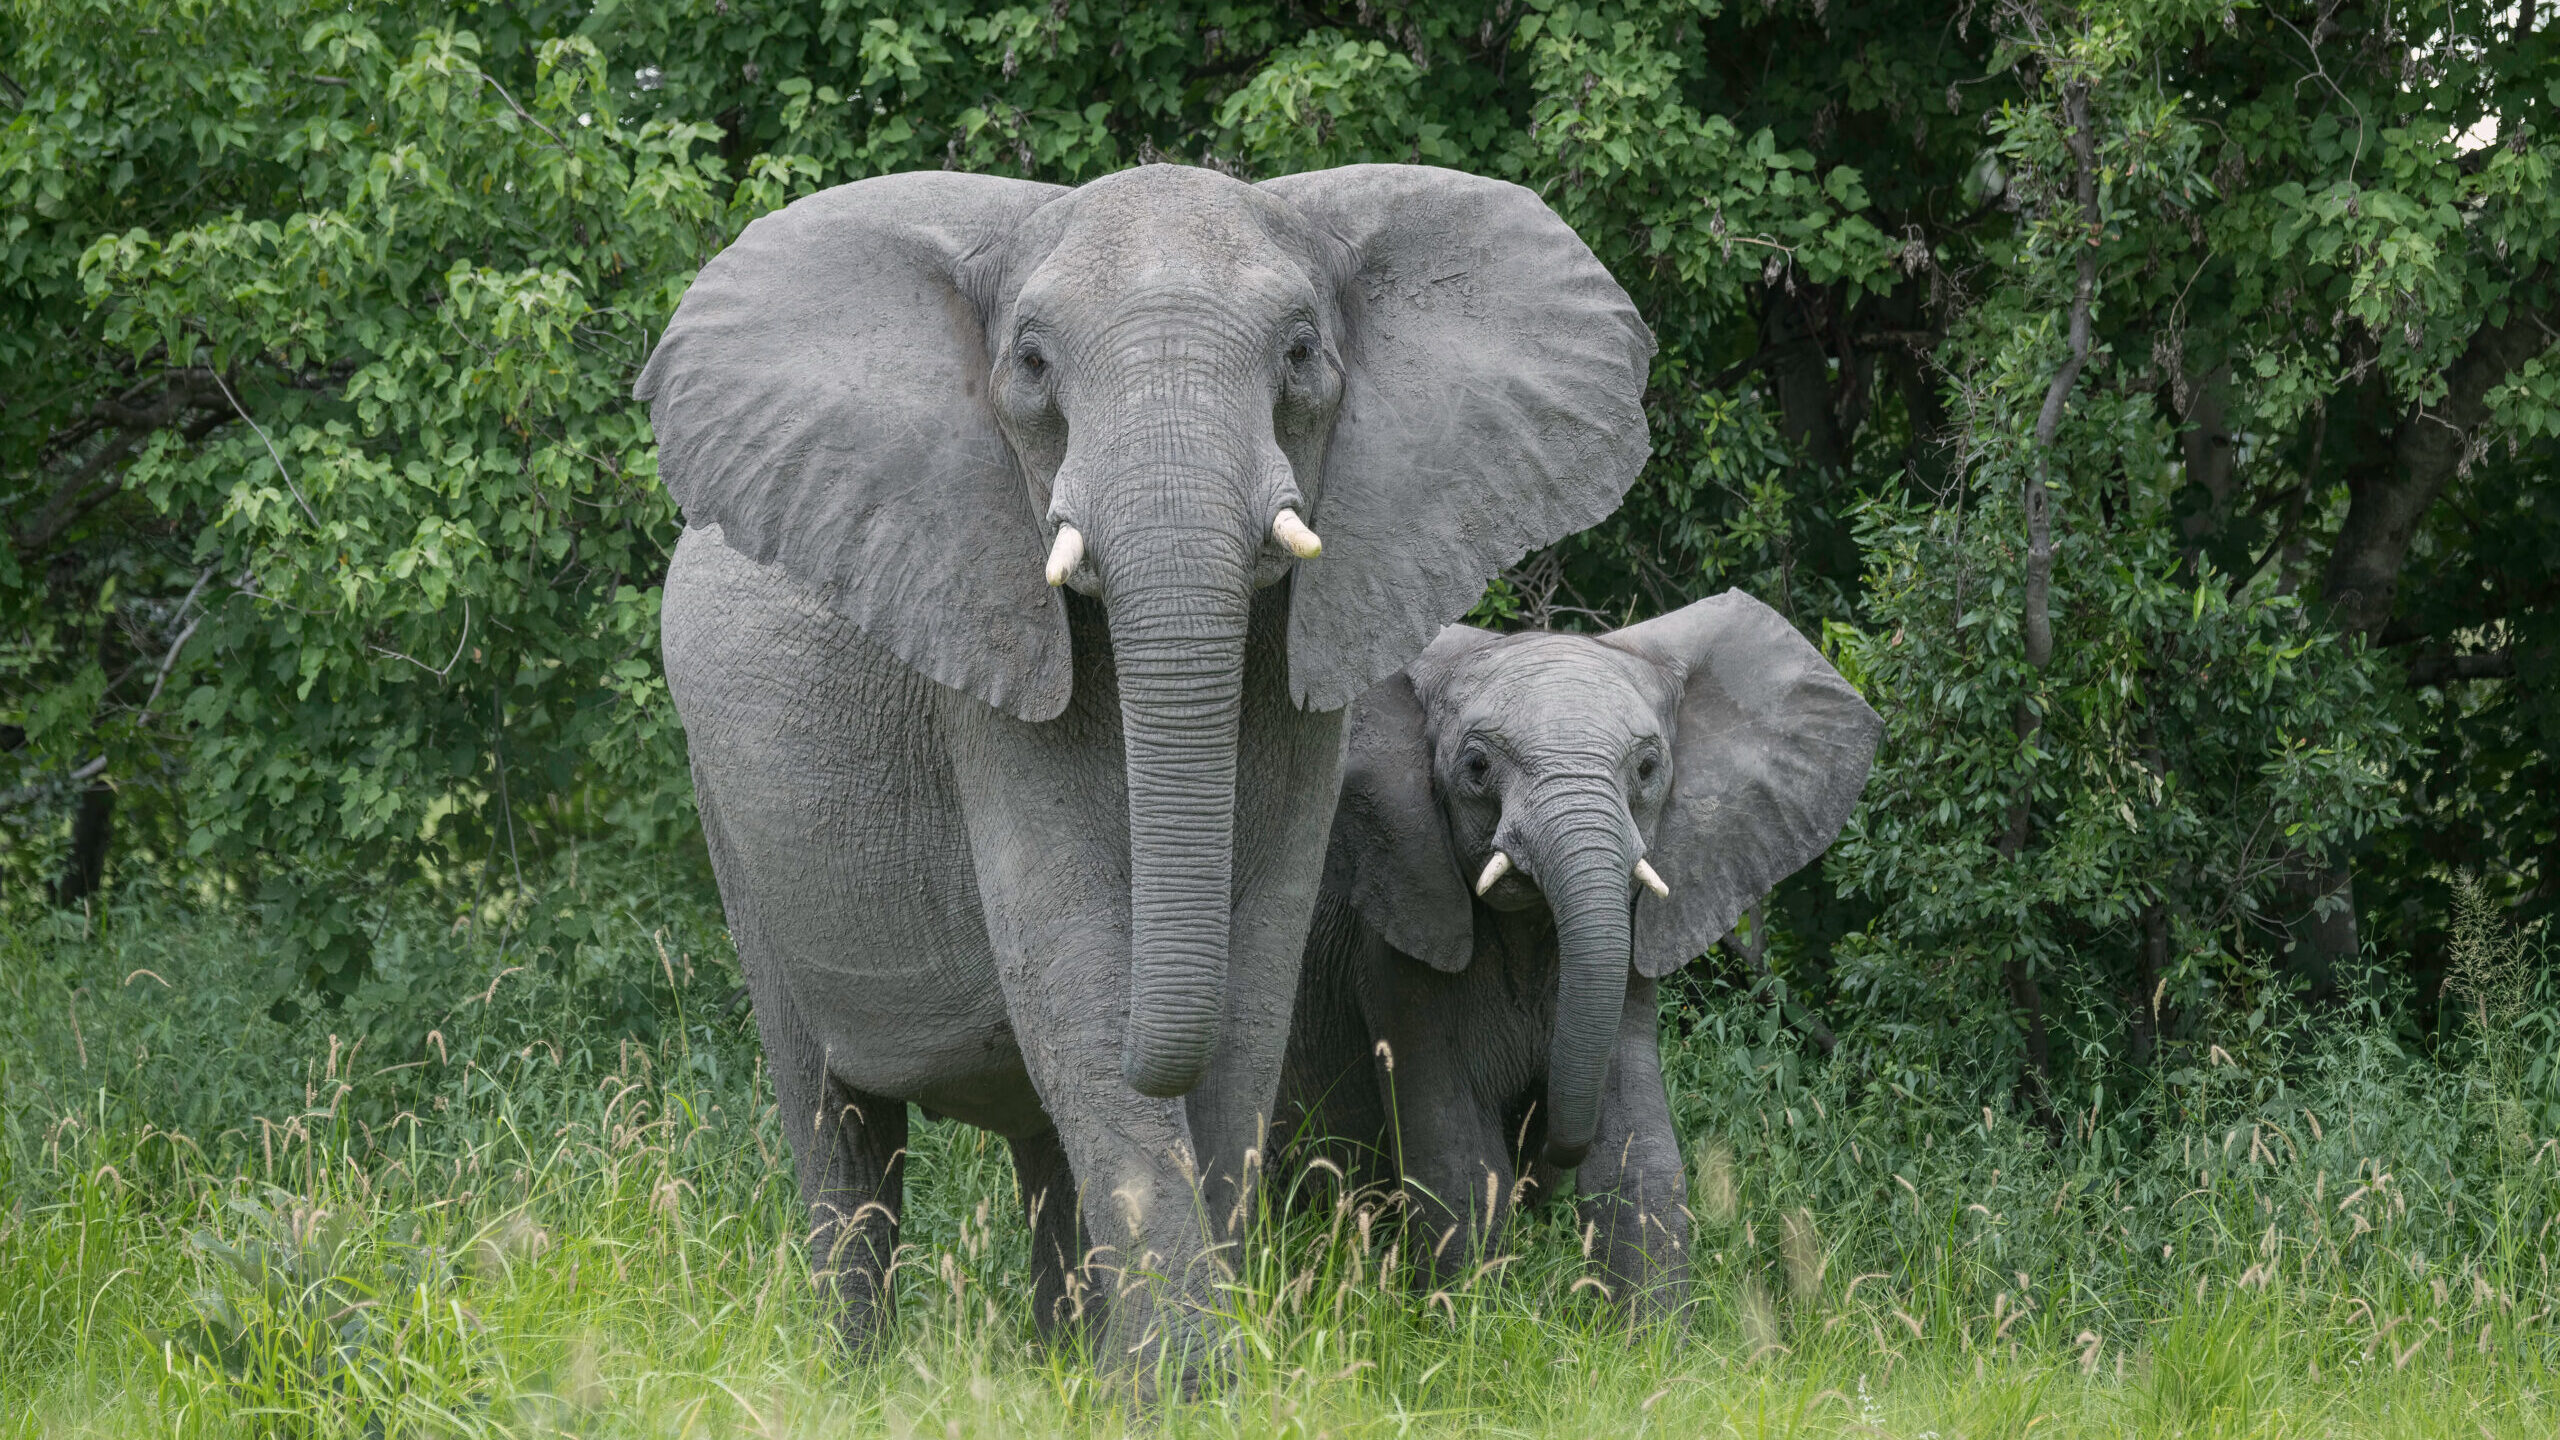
{"points": [[1519, 1028], [1043, 860]]}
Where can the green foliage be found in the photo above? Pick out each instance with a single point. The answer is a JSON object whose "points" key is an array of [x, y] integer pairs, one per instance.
{"points": [[1326, 100], [2189, 744], [2114, 828], [335, 537], [402, 276]]}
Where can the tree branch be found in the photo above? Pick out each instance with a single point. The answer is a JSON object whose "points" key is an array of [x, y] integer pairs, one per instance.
{"points": [[2037, 621], [2057, 395], [87, 489], [12, 799], [521, 113], [2035, 1086], [2437, 668], [169, 661], [271, 452], [2499, 598], [96, 480]]}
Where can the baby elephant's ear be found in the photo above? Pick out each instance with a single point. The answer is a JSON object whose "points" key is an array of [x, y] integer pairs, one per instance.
{"points": [[1770, 751], [1389, 838]]}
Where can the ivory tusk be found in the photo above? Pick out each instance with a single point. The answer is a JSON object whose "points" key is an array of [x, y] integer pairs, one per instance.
{"points": [[1291, 531], [1066, 555], [1495, 868], [1652, 881]]}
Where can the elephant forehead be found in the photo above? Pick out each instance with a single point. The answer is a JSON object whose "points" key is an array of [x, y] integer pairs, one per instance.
{"points": [[1162, 218], [1558, 690]]}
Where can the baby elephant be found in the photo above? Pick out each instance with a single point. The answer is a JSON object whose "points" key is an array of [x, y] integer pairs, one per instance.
{"points": [[1533, 830]]}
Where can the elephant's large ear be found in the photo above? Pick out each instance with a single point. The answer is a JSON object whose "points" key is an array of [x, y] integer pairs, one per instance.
{"points": [[1494, 403], [821, 396], [1769, 751], [1388, 831]]}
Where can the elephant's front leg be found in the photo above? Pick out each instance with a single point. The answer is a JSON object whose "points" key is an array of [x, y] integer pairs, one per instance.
{"points": [[1287, 774], [1634, 1206], [1047, 821], [1458, 1184], [1443, 1137], [1146, 1258]]}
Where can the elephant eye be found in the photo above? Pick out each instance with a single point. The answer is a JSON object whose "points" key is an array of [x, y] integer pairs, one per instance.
{"points": [[1475, 765], [1646, 767], [1300, 352], [1032, 360]]}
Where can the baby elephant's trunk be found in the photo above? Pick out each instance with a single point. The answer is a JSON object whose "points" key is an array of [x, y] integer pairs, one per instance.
{"points": [[1585, 870]]}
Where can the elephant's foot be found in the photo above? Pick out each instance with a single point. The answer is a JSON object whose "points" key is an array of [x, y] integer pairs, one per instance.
{"points": [[860, 1310], [1164, 1343], [1641, 1258]]}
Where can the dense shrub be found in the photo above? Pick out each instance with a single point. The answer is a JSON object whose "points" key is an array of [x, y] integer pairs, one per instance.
{"points": [[2161, 436]]}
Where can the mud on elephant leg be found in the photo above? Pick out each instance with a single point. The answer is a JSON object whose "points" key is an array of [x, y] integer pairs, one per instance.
{"points": [[1063, 1301], [1633, 1202]]}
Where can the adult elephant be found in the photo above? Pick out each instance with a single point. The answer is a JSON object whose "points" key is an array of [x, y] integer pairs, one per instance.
{"points": [[1036, 847]]}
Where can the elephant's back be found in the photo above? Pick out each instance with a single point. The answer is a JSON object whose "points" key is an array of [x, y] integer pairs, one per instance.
{"points": [[834, 822]]}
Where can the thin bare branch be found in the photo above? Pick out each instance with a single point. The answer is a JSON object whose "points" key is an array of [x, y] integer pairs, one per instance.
{"points": [[521, 113], [457, 647], [169, 661], [271, 452], [2037, 620]]}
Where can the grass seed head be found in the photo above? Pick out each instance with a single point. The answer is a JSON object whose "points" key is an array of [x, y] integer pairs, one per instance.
{"points": [[1802, 1245], [1717, 1200], [511, 1242]]}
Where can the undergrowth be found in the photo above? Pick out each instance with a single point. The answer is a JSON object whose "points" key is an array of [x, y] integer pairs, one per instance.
{"points": [[225, 1221]]}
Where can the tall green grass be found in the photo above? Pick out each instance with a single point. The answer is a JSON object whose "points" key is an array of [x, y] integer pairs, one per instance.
{"points": [[219, 1222]]}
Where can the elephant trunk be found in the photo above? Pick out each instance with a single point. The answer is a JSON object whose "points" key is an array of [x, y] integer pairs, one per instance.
{"points": [[1180, 597], [1583, 866]]}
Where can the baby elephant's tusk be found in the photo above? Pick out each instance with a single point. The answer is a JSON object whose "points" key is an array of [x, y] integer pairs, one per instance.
{"points": [[1494, 869], [1066, 555], [1652, 881], [1291, 531]]}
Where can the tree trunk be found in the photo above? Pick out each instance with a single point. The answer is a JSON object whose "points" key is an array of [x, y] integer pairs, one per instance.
{"points": [[2149, 966], [92, 827], [2386, 503], [2211, 454], [1800, 378]]}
